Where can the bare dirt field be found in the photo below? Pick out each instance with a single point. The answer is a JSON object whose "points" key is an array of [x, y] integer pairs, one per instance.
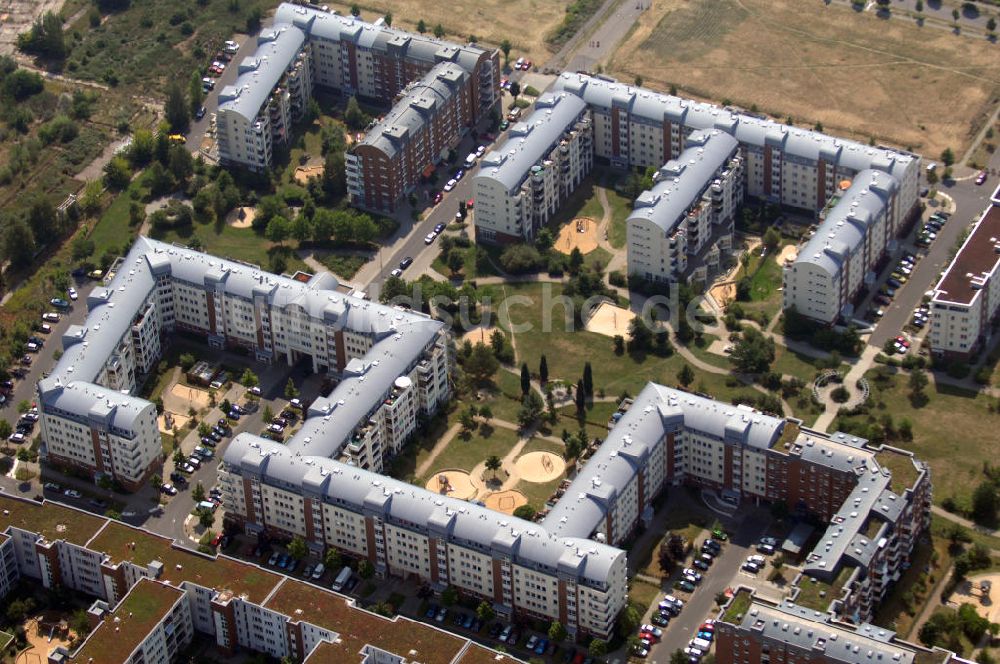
{"points": [[788, 253], [454, 483], [724, 292], [524, 22], [609, 320], [181, 398], [581, 233], [303, 173], [861, 76], [478, 335], [505, 501], [539, 466], [177, 421]]}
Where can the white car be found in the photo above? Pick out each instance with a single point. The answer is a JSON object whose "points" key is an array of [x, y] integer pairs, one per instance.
{"points": [[690, 572], [397, 272], [673, 600], [652, 629], [450, 184], [73, 295], [481, 150], [72, 493], [429, 239], [691, 651]]}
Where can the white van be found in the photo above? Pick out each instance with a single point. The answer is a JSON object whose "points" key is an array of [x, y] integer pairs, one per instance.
{"points": [[318, 571], [342, 578], [701, 644]]}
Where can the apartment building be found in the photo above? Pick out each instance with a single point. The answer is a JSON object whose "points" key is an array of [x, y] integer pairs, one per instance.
{"points": [[800, 168], [841, 259], [521, 184], [90, 421], [427, 121], [271, 92], [966, 302], [152, 597], [752, 630], [690, 207]]}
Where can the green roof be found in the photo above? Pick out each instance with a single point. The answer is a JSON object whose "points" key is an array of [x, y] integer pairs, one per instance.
{"points": [[788, 435], [904, 472], [50, 520], [124, 543], [738, 606], [130, 624], [817, 595]]}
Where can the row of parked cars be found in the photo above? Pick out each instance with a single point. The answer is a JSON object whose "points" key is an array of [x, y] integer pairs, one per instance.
{"points": [[24, 426]]}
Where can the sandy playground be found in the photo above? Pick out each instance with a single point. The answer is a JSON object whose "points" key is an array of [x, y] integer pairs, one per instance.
{"points": [[176, 422], [539, 467], [37, 635], [241, 217], [505, 501], [970, 592], [454, 483], [788, 254], [581, 233], [724, 292], [303, 173], [477, 335], [609, 320], [192, 397]]}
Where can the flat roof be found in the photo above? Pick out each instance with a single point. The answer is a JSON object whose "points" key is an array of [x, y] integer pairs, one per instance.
{"points": [[975, 262], [357, 628], [51, 520], [124, 543], [124, 629]]}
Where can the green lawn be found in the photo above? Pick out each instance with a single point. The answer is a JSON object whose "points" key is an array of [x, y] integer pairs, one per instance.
{"points": [[237, 243], [951, 432], [621, 208], [796, 364], [538, 493], [466, 454], [344, 266], [112, 231], [644, 594], [542, 445]]}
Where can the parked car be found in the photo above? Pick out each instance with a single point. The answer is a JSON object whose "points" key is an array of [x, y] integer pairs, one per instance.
{"points": [[73, 295], [750, 566], [450, 184], [396, 272], [168, 489], [981, 177], [685, 585], [50, 317], [655, 631], [659, 619], [405, 263], [700, 564], [441, 615], [437, 197], [439, 228], [59, 302], [720, 534]]}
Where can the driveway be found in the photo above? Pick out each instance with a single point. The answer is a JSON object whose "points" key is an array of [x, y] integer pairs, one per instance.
{"points": [[198, 129]]}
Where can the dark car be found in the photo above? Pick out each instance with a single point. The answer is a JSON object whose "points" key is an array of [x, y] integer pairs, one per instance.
{"points": [[200, 113], [405, 263], [177, 477], [439, 228]]}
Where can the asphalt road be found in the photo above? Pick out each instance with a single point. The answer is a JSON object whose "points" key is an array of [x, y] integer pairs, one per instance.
{"points": [[722, 575], [248, 44]]}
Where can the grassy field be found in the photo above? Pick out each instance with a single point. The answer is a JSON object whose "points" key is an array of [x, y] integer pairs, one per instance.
{"points": [[524, 22], [538, 492], [956, 462], [466, 454], [926, 89], [239, 243]]}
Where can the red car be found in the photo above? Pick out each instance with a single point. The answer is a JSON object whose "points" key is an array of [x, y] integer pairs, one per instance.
{"points": [[527, 65], [981, 178], [903, 342], [437, 197], [649, 636], [469, 204]]}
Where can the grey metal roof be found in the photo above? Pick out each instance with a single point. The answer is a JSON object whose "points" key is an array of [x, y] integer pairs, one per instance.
{"points": [[466, 523], [421, 101], [532, 139], [682, 181], [608, 93], [382, 38], [814, 632], [260, 72], [656, 411], [843, 230]]}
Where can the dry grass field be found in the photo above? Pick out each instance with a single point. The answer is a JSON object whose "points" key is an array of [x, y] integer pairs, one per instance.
{"points": [[922, 88], [524, 22]]}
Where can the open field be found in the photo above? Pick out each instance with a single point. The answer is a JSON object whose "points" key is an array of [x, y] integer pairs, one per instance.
{"points": [[956, 462], [926, 89], [467, 454], [239, 243], [524, 22]]}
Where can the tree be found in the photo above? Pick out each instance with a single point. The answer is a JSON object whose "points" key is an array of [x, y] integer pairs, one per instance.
{"points": [[196, 93], [985, 503], [919, 6], [486, 413], [493, 464], [685, 376], [543, 370], [581, 398], [948, 157], [355, 10], [955, 14], [198, 493], [467, 420], [531, 408], [629, 620], [772, 238], [156, 482], [481, 363], [117, 174], [290, 390], [297, 548], [268, 414], [588, 380], [514, 89], [206, 518], [485, 612], [5, 429], [332, 558], [278, 230], [618, 343], [366, 570], [456, 261], [449, 596], [598, 648], [249, 379], [354, 117], [557, 632], [753, 352], [439, 31], [526, 512], [525, 379], [387, 19], [678, 657], [991, 24], [44, 38], [640, 336], [505, 47], [421, 26], [176, 109], [19, 243]]}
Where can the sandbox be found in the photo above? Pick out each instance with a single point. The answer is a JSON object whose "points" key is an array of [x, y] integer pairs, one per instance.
{"points": [[971, 591], [724, 292], [505, 501], [581, 233], [609, 320], [241, 217], [193, 397], [788, 254], [478, 334], [177, 421], [539, 466], [303, 173], [452, 482]]}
